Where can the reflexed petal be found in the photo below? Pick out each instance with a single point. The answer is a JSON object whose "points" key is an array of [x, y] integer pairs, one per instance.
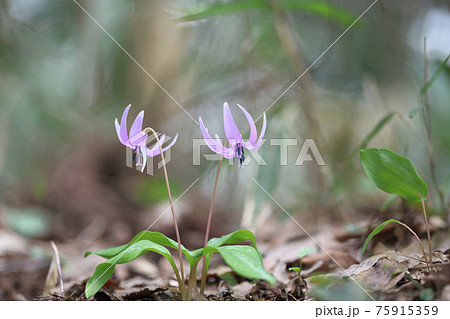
{"points": [[171, 144], [116, 123], [155, 148], [231, 131], [136, 129], [253, 146], [144, 156], [214, 144], [253, 133], [123, 124], [227, 152]]}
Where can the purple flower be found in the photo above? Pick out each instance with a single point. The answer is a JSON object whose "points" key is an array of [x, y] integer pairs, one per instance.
{"points": [[234, 137], [137, 140]]}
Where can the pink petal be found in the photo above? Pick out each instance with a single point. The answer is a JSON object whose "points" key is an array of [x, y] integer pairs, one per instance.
{"points": [[226, 152], [123, 124], [156, 146], [253, 133], [157, 151], [116, 123], [136, 130], [253, 146], [213, 144], [231, 131]]}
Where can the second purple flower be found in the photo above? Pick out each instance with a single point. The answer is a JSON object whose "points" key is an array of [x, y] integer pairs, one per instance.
{"points": [[234, 137]]}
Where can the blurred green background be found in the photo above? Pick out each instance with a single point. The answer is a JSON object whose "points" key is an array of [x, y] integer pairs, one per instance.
{"points": [[63, 81]]}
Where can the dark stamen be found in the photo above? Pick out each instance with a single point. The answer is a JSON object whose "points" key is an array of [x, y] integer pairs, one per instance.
{"points": [[134, 156], [240, 155]]}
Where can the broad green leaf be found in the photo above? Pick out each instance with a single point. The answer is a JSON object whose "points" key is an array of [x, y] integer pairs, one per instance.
{"points": [[393, 174], [105, 270], [229, 7], [159, 238], [233, 238], [155, 237], [102, 273], [376, 231], [146, 240], [322, 9], [244, 260], [107, 253]]}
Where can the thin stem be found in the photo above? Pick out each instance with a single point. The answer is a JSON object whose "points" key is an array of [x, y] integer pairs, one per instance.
{"points": [[208, 226], [426, 223], [182, 287], [420, 243]]}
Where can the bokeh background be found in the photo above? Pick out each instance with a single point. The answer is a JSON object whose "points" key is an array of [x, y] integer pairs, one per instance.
{"points": [[63, 81]]}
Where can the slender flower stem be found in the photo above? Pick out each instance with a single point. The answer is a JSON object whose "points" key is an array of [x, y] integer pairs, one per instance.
{"points": [[426, 224], [208, 226], [182, 285], [420, 243]]}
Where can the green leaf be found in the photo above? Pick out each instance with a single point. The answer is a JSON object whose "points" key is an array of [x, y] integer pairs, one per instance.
{"points": [[321, 9], [233, 238], [105, 270], [393, 174], [296, 269], [149, 239], [192, 256], [244, 260], [376, 231], [155, 237], [230, 239], [306, 251], [107, 253], [229, 7], [102, 273]]}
